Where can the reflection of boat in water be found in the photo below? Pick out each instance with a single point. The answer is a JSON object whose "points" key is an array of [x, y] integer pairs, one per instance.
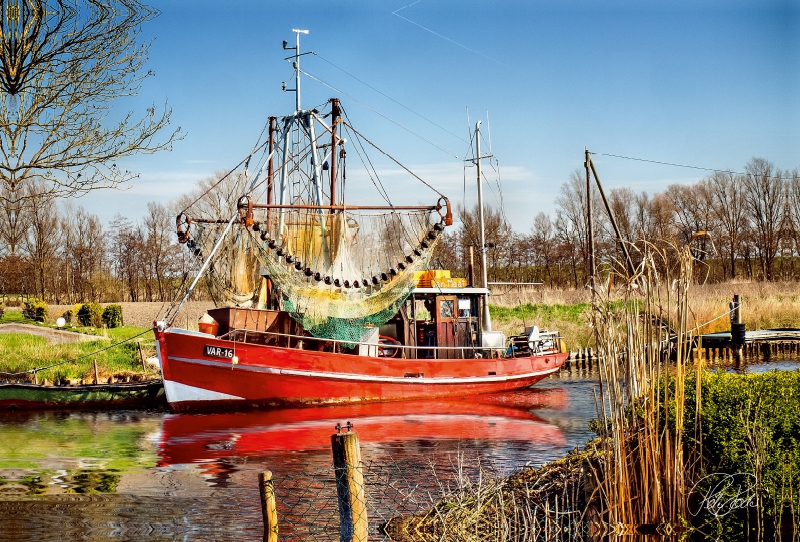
{"points": [[191, 438]]}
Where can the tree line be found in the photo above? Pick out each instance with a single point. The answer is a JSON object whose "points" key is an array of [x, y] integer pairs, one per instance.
{"points": [[63, 254], [740, 226]]}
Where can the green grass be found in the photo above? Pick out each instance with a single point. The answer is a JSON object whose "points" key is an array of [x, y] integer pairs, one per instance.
{"points": [[574, 313], [569, 320], [22, 352]]}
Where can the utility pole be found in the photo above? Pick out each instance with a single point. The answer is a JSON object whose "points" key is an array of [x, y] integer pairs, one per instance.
{"points": [[589, 225]]}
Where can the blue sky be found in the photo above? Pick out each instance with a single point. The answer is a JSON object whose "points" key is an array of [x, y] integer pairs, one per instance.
{"points": [[705, 83]]}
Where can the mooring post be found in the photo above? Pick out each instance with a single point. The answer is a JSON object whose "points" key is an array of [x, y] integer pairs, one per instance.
{"points": [[96, 377], [141, 356], [353, 524], [738, 332], [267, 489]]}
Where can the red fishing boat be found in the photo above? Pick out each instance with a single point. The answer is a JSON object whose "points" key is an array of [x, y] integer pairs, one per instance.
{"points": [[320, 301]]}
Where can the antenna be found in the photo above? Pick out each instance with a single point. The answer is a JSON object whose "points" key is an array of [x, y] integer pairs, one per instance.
{"points": [[295, 65]]}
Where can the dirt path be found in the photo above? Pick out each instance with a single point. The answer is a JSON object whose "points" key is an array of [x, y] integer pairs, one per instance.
{"points": [[52, 335]]}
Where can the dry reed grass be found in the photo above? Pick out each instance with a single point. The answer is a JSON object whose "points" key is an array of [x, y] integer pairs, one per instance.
{"points": [[765, 305], [543, 504], [646, 479]]}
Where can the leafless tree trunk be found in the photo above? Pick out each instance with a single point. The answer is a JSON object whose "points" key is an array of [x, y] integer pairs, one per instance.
{"points": [[765, 195]]}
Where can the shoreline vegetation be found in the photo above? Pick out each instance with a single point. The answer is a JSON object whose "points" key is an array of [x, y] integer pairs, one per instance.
{"points": [[680, 449]]}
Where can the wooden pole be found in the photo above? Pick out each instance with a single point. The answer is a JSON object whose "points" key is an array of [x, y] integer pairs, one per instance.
{"points": [[96, 377], [141, 356], [620, 239], [353, 524], [470, 268], [267, 489]]}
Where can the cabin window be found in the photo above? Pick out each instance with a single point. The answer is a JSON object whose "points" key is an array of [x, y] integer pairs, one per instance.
{"points": [[446, 308], [464, 308]]}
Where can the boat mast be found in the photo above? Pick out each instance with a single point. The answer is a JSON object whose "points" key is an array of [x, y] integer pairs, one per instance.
{"points": [[487, 320], [296, 66]]}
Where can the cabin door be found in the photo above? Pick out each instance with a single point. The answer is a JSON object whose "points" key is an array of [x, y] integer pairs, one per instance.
{"points": [[446, 325]]}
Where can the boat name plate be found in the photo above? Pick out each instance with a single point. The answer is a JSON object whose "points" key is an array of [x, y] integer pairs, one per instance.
{"points": [[218, 352]]}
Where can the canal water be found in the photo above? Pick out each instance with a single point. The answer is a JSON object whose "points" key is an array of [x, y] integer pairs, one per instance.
{"points": [[153, 475]]}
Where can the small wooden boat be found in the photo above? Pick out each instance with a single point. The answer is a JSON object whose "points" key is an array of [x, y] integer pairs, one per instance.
{"points": [[28, 396]]}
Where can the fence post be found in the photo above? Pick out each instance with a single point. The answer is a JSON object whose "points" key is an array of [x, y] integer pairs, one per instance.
{"points": [[353, 524], [267, 489]]}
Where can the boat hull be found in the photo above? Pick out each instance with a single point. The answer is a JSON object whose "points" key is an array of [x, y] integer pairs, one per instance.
{"points": [[26, 396], [201, 371]]}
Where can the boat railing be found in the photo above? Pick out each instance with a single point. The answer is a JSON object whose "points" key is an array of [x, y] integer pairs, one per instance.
{"points": [[548, 344]]}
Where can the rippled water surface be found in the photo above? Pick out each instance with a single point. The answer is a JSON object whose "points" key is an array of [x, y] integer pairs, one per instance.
{"points": [[154, 475]]}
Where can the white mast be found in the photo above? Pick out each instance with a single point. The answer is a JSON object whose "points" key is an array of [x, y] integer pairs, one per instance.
{"points": [[487, 320]]}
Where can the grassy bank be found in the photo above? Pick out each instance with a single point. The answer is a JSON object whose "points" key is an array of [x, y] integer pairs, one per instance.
{"points": [[764, 306], [21, 352]]}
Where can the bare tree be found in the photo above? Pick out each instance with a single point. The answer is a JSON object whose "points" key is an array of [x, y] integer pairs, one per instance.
{"points": [[793, 205], [765, 196], [62, 64], [84, 249], [497, 236], [43, 239], [542, 240], [728, 207]]}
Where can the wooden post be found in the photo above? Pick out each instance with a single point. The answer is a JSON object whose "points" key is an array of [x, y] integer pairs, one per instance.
{"points": [[353, 524], [267, 489], [141, 356], [470, 268], [96, 377]]}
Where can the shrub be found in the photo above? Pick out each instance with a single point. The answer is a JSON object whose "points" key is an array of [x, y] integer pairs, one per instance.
{"points": [[2, 310], [35, 309], [91, 314], [112, 316], [71, 314]]}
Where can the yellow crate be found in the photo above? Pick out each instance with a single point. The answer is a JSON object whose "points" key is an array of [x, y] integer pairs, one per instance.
{"points": [[424, 279]]}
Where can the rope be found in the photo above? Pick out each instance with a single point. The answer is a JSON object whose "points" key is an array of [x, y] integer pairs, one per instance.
{"points": [[390, 98], [409, 130], [395, 160], [717, 318], [73, 360], [682, 165]]}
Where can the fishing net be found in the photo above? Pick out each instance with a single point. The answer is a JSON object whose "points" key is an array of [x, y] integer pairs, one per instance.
{"points": [[342, 273], [234, 271], [336, 271]]}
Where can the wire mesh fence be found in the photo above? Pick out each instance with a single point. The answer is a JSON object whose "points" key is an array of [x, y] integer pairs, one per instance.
{"points": [[441, 498]]}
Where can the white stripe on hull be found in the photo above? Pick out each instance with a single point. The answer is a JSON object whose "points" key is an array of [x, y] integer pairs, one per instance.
{"points": [[369, 378], [178, 393]]}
